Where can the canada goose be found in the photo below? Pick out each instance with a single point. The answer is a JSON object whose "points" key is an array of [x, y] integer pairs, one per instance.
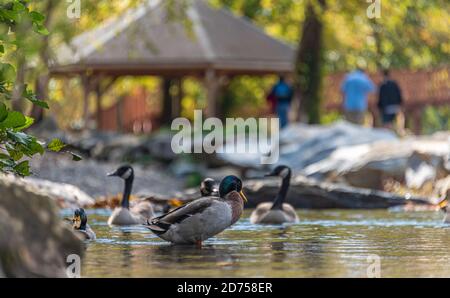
{"points": [[277, 212], [81, 226], [202, 218], [124, 216]]}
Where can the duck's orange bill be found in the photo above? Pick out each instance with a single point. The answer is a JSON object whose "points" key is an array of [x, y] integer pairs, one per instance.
{"points": [[442, 204], [243, 196]]}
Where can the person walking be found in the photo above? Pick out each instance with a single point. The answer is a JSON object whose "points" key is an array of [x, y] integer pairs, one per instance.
{"points": [[389, 100], [282, 93], [355, 88]]}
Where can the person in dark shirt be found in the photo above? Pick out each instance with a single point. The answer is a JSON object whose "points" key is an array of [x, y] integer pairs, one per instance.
{"points": [[283, 93], [389, 100]]}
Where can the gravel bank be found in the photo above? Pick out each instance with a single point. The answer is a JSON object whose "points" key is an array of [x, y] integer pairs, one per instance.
{"points": [[90, 176]]}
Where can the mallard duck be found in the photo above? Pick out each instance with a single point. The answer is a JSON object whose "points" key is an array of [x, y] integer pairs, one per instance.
{"points": [[202, 218], [80, 225], [124, 216], [277, 212]]}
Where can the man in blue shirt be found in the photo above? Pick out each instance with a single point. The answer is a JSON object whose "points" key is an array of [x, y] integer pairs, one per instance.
{"points": [[355, 88], [283, 94]]}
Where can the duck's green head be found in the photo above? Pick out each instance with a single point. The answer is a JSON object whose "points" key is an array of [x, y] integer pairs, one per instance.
{"points": [[229, 184], [79, 219]]}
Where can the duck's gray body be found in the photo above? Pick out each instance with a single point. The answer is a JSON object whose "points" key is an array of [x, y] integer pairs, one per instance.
{"points": [[137, 215], [87, 233], [264, 214], [199, 220]]}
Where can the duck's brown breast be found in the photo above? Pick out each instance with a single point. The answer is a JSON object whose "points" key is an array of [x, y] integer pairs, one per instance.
{"points": [[237, 205]]}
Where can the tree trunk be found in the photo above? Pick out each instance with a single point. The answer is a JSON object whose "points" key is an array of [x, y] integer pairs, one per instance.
{"points": [[17, 98], [309, 63], [41, 91]]}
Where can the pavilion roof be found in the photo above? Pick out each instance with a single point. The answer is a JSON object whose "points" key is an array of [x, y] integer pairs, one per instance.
{"points": [[145, 41]]}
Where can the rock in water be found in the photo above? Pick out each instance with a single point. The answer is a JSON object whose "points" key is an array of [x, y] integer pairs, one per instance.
{"points": [[34, 242], [310, 194]]}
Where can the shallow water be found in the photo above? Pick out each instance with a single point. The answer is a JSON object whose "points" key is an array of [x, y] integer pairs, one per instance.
{"points": [[329, 243]]}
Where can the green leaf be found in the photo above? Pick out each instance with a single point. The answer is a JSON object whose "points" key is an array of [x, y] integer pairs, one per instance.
{"points": [[23, 168], [13, 120], [38, 28], [20, 137], [28, 122], [75, 157], [56, 145], [3, 112], [32, 97], [33, 148], [7, 73], [16, 155], [37, 17], [4, 156]]}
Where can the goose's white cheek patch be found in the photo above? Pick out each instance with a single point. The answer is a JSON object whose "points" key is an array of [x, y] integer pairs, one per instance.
{"points": [[284, 173], [127, 174]]}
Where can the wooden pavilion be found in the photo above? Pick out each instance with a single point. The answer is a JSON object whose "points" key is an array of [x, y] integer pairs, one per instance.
{"points": [[210, 44]]}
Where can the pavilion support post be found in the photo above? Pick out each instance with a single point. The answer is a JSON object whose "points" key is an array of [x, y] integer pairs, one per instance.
{"points": [[98, 105], [166, 114], [176, 100], [212, 85], [101, 87], [221, 102], [87, 88], [417, 120]]}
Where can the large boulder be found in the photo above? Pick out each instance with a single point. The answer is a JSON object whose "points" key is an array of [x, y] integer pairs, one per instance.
{"points": [[414, 161], [64, 194], [34, 242], [303, 145], [307, 193]]}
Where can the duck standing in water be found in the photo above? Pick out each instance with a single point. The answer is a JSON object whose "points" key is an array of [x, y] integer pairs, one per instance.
{"points": [[277, 212], [124, 216], [202, 218], [80, 225]]}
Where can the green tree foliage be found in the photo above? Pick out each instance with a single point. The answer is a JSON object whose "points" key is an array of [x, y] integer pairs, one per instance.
{"points": [[16, 145], [409, 34]]}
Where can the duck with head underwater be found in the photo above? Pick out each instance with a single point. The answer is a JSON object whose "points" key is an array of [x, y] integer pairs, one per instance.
{"points": [[202, 218], [80, 225], [208, 188], [124, 215], [276, 212]]}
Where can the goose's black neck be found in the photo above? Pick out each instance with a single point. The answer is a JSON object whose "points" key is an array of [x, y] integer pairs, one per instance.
{"points": [[281, 196], [127, 192]]}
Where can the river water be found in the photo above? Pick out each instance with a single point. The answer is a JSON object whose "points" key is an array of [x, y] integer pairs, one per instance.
{"points": [[329, 243]]}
